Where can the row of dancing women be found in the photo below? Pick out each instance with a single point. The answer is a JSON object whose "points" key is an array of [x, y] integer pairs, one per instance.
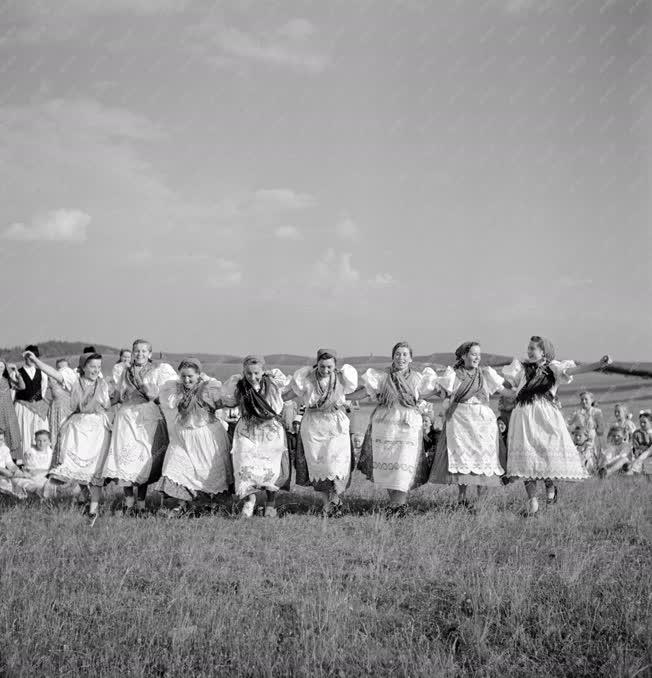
{"points": [[159, 428]]}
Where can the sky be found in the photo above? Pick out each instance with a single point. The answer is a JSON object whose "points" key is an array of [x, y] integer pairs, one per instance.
{"points": [[274, 176]]}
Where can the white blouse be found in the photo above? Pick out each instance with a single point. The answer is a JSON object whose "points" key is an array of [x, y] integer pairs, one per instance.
{"points": [[304, 385], [70, 378], [423, 384], [171, 393], [117, 371], [492, 381], [274, 399], [154, 378]]}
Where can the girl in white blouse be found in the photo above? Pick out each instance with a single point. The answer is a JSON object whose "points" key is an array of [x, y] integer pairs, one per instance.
{"points": [[324, 434], [392, 454], [540, 446]]}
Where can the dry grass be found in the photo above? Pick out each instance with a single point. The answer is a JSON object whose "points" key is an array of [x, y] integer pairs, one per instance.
{"points": [[440, 593]]}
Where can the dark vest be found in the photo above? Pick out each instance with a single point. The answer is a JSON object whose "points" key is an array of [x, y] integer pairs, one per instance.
{"points": [[32, 391]]}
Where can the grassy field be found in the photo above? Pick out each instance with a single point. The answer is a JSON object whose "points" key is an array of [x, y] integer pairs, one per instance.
{"points": [[443, 592]]}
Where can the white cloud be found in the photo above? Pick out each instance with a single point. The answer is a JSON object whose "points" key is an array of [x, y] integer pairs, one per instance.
{"points": [[79, 147], [224, 274], [205, 32], [347, 229], [281, 199], [297, 29], [38, 21], [382, 280], [334, 271], [138, 257], [290, 45], [517, 6], [62, 225], [273, 49], [79, 150], [288, 233], [570, 281]]}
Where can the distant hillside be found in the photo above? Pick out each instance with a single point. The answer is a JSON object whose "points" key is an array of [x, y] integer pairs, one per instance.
{"points": [[431, 358], [53, 348], [288, 359], [491, 359], [221, 358], [370, 359]]}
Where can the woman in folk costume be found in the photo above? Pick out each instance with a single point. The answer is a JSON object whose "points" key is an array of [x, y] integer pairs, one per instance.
{"points": [[589, 416], [392, 453], [469, 448], [198, 455], [85, 436], [31, 408], [124, 360], [58, 396], [259, 452], [540, 446], [325, 441], [10, 380], [140, 436]]}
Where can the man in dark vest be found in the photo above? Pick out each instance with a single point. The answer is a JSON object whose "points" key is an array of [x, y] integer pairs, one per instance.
{"points": [[31, 408]]}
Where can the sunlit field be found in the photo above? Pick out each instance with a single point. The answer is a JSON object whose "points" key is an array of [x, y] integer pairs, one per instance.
{"points": [[445, 591]]}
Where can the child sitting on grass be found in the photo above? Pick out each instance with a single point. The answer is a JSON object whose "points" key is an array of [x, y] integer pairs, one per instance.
{"points": [[34, 477], [38, 460], [642, 445], [8, 470], [586, 448], [618, 455], [623, 418]]}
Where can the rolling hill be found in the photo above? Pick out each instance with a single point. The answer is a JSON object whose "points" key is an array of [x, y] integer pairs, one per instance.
{"points": [[55, 348]]}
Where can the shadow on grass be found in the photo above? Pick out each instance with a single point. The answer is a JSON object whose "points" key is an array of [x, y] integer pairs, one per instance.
{"points": [[228, 506]]}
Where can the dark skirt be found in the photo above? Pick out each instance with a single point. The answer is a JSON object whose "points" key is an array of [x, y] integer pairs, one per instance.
{"points": [[159, 448]]}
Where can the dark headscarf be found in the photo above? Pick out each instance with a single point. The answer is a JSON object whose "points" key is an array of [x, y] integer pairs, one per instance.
{"points": [[84, 358], [254, 360], [192, 363]]}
